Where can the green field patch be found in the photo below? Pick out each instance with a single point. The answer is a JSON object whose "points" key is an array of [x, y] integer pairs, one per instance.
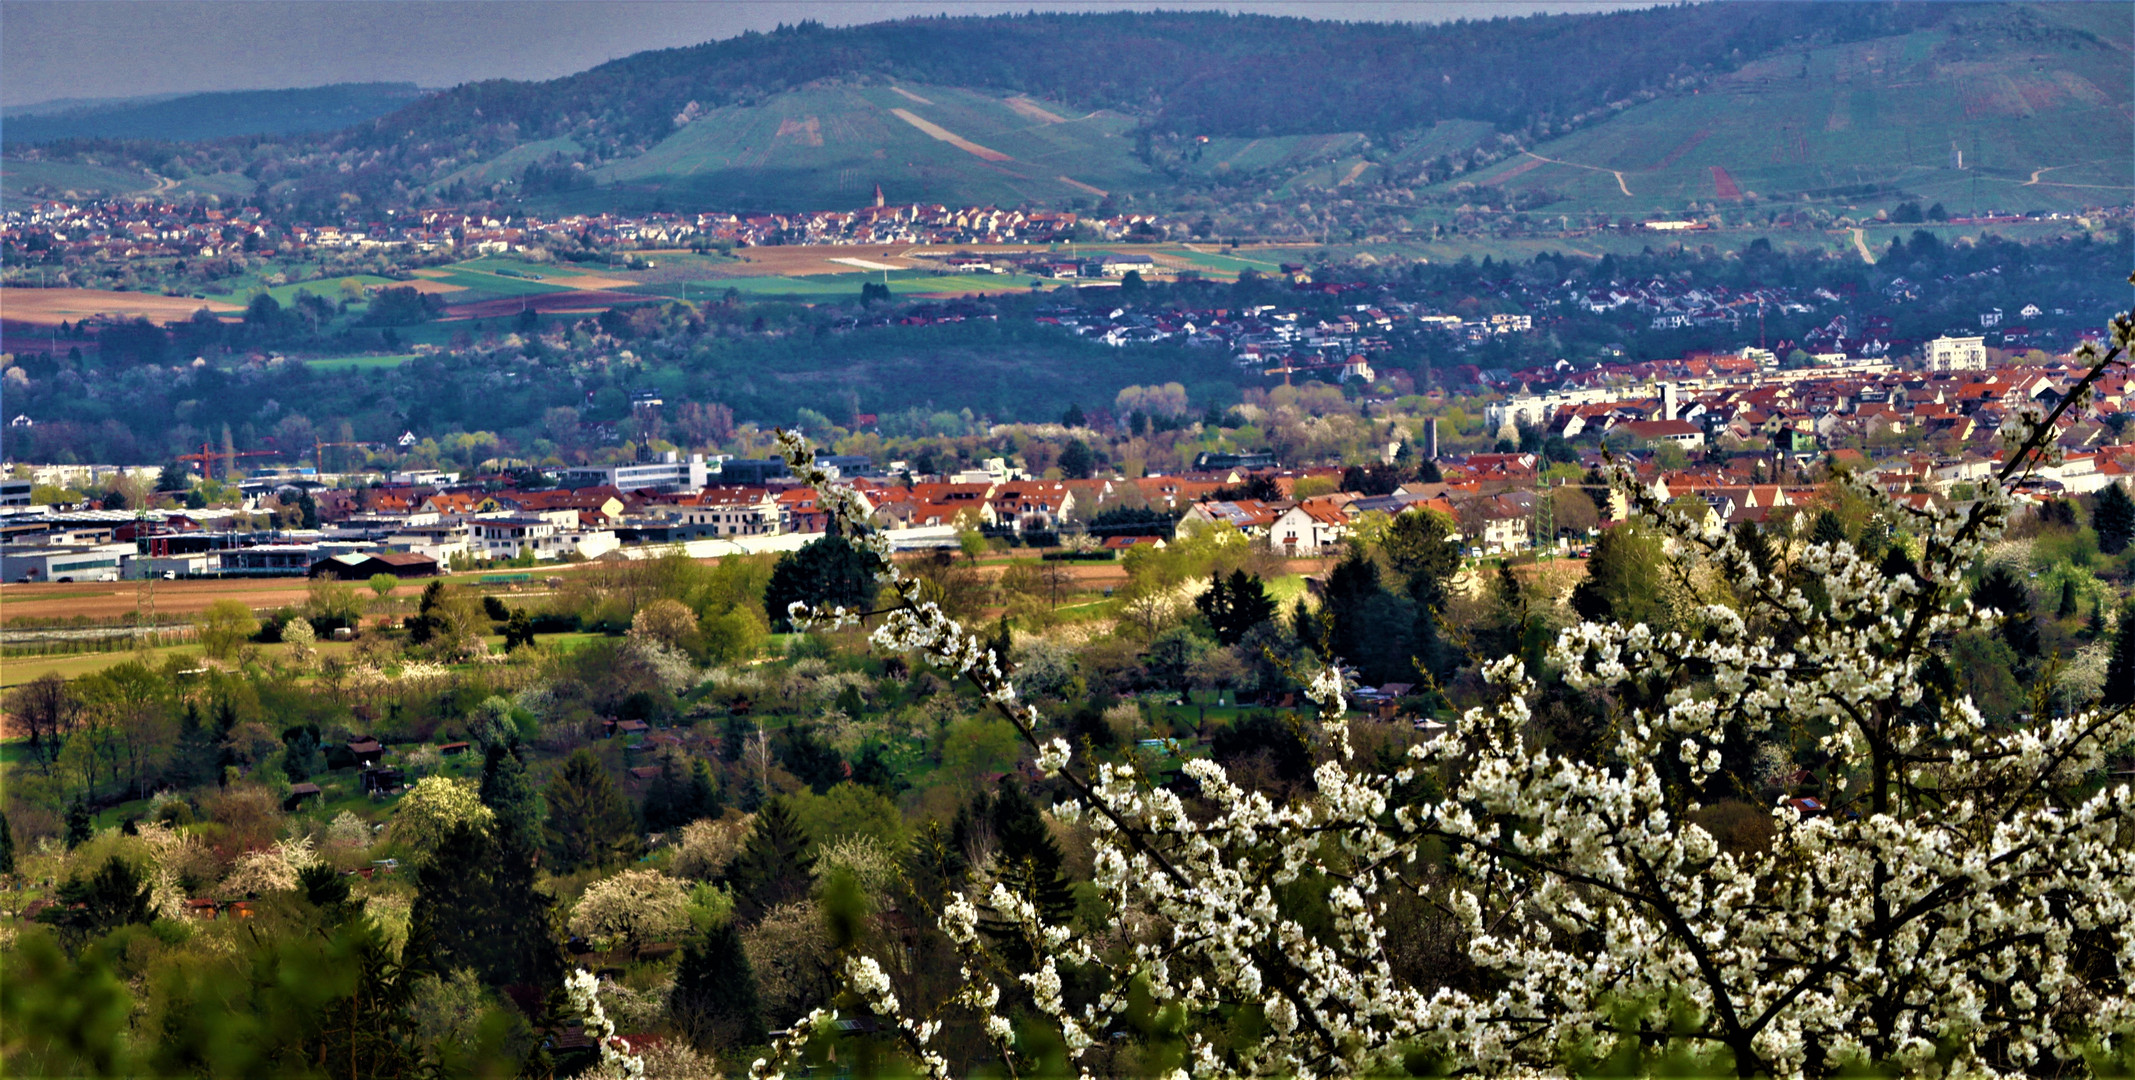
{"points": [[490, 286], [359, 363], [18, 178], [330, 289], [227, 184], [524, 270]]}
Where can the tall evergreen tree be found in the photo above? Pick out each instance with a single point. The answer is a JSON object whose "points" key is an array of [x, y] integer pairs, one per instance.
{"points": [[775, 864], [809, 757], [2001, 590], [680, 795], [1029, 862], [476, 907], [1420, 547], [715, 998], [80, 826], [2120, 670], [7, 847], [1235, 605], [509, 793], [197, 757], [1373, 628], [1077, 461], [115, 895], [590, 823], [935, 866], [2114, 518], [1828, 529]]}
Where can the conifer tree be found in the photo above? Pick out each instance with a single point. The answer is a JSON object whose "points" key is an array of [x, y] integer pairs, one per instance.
{"points": [[1828, 529], [2001, 590], [197, 757], [7, 847], [679, 796], [509, 793], [715, 998], [115, 895], [589, 821], [2114, 518], [80, 826], [2120, 670], [476, 907], [774, 866], [1235, 605], [1028, 856]]}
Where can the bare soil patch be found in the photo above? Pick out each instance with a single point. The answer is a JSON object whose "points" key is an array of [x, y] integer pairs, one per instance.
{"points": [[50, 307], [426, 285], [1031, 110], [937, 131]]}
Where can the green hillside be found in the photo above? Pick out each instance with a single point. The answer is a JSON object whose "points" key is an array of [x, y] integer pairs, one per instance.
{"points": [[214, 115], [2043, 122], [24, 179], [829, 146], [1838, 105]]}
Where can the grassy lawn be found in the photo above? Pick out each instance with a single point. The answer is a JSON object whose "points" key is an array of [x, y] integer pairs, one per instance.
{"points": [[326, 288], [19, 670]]}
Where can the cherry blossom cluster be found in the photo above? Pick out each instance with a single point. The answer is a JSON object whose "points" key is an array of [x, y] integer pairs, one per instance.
{"points": [[1964, 904], [615, 1057]]}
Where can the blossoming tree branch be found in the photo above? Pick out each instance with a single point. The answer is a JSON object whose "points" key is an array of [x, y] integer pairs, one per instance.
{"points": [[1964, 901]]}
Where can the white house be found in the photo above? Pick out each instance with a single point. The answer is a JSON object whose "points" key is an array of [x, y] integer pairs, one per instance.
{"points": [[1312, 527], [552, 534]]}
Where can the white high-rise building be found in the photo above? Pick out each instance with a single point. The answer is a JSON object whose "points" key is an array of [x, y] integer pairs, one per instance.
{"points": [[1957, 354]]}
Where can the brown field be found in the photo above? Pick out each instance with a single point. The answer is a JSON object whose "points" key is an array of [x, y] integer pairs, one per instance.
{"points": [[586, 281], [42, 601], [50, 307], [425, 285], [1031, 110]]}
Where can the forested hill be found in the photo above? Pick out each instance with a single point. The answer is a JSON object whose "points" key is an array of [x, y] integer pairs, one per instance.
{"points": [[1193, 73], [187, 117], [1053, 109]]}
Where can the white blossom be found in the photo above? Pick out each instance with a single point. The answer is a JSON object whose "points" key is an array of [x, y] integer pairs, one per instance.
{"points": [[1945, 916]]}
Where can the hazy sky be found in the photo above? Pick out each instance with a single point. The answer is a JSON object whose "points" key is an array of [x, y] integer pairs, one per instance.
{"points": [[123, 48]]}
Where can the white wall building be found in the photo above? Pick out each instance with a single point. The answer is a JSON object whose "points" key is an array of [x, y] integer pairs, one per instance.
{"points": [[73, 562], [1957, 354]]}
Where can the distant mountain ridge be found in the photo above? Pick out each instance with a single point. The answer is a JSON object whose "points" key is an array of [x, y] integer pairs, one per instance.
{"points": [[1623, 112], [216, 115]]}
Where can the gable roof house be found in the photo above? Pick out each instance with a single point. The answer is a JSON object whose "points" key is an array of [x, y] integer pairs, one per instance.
{"points": [[1312, 527], [1252, 517]]}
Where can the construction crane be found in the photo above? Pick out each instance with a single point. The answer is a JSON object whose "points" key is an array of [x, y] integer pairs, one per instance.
{"points": [[1283, 371], [207, 458], [318, 453]]}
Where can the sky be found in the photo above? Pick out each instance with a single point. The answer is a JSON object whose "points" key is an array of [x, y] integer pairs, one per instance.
{"points": [[52, 49]]}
